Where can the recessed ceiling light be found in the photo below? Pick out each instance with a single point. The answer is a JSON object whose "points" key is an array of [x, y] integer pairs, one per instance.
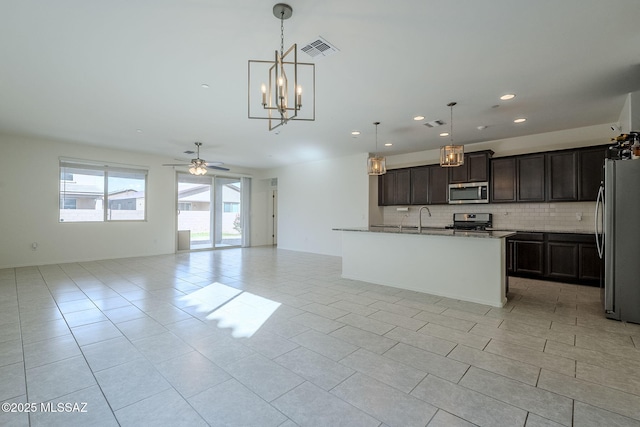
{"points": [[507, 96], [520, 120], [205, 86], [482, 127], [388, 144], [139, 130], [416, 118], [355, 133], [444, 134]]}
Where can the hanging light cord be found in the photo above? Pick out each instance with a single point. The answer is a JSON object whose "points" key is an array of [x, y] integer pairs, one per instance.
{"points": [[451, 104], [281, 33], [451, 131], [376, 123]]}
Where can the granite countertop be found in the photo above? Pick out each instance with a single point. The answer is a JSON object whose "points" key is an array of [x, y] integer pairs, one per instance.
{"points": [[546, 231], [429, 231]]}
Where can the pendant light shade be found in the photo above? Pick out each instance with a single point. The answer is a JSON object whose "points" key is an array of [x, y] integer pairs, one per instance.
{"points": [[451, 155], [376, 165]]}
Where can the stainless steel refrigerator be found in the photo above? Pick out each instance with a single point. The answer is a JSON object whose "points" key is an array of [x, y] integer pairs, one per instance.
{"points": [[618, 238]]}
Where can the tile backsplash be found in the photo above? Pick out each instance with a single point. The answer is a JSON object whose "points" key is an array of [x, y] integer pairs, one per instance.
{"points": [[574, 217]]}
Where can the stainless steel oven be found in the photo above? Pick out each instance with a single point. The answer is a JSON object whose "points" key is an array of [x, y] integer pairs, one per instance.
{"points": [[469, 192]]}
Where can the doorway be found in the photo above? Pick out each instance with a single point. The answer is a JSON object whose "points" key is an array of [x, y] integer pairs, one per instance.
{"points": [[209, 212], [274, 217]]}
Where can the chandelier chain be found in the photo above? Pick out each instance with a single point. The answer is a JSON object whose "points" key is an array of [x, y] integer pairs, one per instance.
{"points": [[451, 105], [282, 33]]}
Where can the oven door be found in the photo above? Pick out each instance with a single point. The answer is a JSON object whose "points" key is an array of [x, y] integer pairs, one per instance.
{"points": [[472, 192]]}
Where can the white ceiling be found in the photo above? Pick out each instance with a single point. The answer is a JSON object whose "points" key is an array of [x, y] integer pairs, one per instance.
{"points": [[95, 72]]}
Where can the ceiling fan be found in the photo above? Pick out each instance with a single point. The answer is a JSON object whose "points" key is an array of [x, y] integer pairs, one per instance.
{"points": [[198, 166]]}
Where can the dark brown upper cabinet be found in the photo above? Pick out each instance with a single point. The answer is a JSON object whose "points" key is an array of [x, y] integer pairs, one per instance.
{"points": [[566, 175], [562, 176], [420, 185], [438, 185], [530, 178], [518, 179], [575, 175], [403, 187], [393, 187], [590, 172], [474, 169], [503, 180]]}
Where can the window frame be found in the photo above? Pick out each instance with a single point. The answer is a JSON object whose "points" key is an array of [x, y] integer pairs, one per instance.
{"points": [[105, 169]]}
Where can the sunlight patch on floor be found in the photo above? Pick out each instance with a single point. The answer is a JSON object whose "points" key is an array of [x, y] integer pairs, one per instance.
{"points": [[241, 311]]}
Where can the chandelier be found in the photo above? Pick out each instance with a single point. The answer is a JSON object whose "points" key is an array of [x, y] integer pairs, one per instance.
{"points": [[376, 165], [451, 155], [281, 83], [198, 166]]}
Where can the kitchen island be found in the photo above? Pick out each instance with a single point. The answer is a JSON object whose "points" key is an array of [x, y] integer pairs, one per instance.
{"points": [[468, 266]]}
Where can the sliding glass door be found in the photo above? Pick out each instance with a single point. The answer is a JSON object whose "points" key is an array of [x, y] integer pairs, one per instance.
{"points": [[227, 212], [210, 212], [195, 194]]}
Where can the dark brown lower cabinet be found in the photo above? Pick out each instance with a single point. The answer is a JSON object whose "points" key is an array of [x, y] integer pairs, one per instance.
{"points": [[590, 265], [562, 260], [528, 257], [566, 257]]}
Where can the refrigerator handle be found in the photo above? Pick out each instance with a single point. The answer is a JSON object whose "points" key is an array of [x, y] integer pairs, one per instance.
{"points": [[599, 204]]}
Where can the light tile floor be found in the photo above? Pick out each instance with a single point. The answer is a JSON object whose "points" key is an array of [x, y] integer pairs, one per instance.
{"points": [[269, 337]]}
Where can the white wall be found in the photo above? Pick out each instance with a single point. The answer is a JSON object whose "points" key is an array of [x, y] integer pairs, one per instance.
{"points": [[317, 196], [630, 115], [29, 203]]}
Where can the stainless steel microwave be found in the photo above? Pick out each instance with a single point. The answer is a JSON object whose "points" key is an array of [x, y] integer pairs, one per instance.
{"points": [[469, 192]]}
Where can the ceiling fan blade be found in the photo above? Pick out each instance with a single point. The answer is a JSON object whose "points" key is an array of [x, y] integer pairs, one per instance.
{"points": [[176, 164], [220, 168]]}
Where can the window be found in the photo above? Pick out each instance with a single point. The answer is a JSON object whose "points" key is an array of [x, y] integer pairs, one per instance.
{"points": [[231, 207], [68, 204], [96, 193]]}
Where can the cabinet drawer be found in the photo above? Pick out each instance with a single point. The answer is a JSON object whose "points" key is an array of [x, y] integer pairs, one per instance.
{"points": [[570, 237], [539, 237]]}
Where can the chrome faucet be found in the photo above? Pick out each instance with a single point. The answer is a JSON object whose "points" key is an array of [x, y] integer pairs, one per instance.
{"points": [[420, 217]]}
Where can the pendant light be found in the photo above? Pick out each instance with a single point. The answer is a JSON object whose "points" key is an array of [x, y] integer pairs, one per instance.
{"points": [[376, 165], [451, 155]]}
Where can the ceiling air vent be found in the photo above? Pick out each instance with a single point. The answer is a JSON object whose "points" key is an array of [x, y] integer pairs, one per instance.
{"points": [[189, 152], [319, 48], [434, 123]]}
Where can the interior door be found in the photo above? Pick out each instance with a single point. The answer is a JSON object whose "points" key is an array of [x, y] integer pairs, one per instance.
{"points": [[274, 218]]}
